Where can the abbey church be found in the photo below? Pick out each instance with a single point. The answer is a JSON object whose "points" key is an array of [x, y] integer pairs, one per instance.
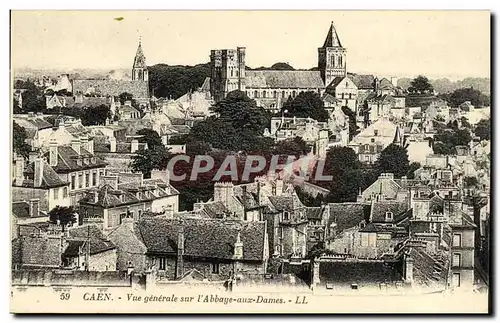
{"points": [[138, 86], [271, 88]]}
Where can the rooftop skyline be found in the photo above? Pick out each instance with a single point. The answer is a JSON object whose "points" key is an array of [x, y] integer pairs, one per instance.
{"points": [[452, 44]]}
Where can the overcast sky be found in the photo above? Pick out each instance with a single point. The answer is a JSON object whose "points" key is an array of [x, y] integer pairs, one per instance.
{"points": [[453, 44]]}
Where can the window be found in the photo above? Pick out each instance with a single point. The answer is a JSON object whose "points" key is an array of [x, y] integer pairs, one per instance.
{"points": [[122, 216], [65, 192], [329, 286], [56, 193], [73, 182], [388, 216], [350, 95], [364, 239], [139, 213], [87, 180], [354, 286], [264, 94], [255, 94], [94, 179], [372, 239], [457, 240], [294, 93], [283, 94], [275, 94], [375, 132], [215, 268], [162, 263], [456, 280], [80, 180], [373, 140], [286, 215], [457, 259]]}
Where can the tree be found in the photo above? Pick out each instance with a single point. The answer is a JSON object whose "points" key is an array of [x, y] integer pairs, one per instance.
{"points": [[292, 147], [309, 200], [483, 129], [93, 116], [343, 165], [411, 170], [448, 138], [150, 137], [306, 104], [145, 160], [62, 215], [353, 127], [475, 97], [237, 125], [33, 97], [421, 85], [393, 159], [175, 81], [19, 140], [470, 181], [125, 96]]}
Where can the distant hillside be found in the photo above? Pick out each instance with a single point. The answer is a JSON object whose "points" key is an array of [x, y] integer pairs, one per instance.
{"points": [[78, 73], [444, 85], [277, 66]]}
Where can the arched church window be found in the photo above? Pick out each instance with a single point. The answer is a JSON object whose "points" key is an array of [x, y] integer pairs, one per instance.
{"points": [[231, 72], [294, 93], [283, 95], [275, 95], [340, 61], [264, 94], [256, 94]]}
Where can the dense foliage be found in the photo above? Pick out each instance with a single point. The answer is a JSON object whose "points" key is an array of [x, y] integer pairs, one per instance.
{"points": [[305, 104], [174, 81], [19, 140]]}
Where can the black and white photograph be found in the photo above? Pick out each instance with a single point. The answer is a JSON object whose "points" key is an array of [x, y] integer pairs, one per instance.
{"points": [[250, 161]]}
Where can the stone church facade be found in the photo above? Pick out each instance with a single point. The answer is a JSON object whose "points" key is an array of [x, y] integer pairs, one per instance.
{"points": [[271, 88], [138, 86]]}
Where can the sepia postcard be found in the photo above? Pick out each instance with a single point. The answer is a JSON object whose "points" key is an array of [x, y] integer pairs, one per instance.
{"points": [[250, 162]]}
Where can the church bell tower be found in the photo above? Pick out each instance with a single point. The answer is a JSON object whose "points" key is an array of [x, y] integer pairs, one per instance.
{"points": [[332, 57], [140, 69]]}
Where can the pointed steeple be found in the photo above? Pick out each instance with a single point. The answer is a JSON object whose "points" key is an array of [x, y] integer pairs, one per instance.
{"points": [[332, 39], [398, 140], [140, 59]]}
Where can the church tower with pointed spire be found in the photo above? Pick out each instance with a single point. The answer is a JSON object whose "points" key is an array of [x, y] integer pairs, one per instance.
{"points": [[332, 57], [140, 69]]}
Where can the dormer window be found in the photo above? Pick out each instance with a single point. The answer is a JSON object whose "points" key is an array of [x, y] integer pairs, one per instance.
{"points": [[86, 161], [93, 160], [139, 195], [388, 216], [375, 132], [79, 161], [286, 215]]}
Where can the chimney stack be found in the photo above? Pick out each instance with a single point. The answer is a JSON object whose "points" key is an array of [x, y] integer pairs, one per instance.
{"points": [[53, 152], [169, 211], [112, 144], [19, 171], [84, 142], [180, 250], [34, 207], [75, 144], [128, 222], [408, 269], [164, 175], [38, 172], [32, 156], [238, 247], [135, 146]]}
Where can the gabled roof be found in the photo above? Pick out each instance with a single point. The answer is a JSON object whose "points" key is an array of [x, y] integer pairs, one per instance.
{"points": [[215, 210], [32, 122], [67, 160], [284, 79], [332, 39], [49, 177], [348, 215], [205, 238], [93, 246], [21, 209], [380, 209], [363, 82]]}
